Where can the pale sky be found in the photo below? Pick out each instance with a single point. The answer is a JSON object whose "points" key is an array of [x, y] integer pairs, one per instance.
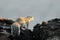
{"points": [[41, 10]]}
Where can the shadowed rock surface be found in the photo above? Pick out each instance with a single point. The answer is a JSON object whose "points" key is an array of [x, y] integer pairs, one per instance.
{"points": [[3, 37], [49, 31]]}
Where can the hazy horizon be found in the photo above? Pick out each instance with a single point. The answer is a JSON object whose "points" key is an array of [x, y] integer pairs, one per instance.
{"points": [[41, 10]]}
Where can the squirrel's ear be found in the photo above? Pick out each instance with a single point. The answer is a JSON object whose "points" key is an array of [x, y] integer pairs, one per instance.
{"points": [[32, 18]]}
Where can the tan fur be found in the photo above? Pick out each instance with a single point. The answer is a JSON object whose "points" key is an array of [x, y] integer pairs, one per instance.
{"points": [[3, 19], [24, 20]]}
